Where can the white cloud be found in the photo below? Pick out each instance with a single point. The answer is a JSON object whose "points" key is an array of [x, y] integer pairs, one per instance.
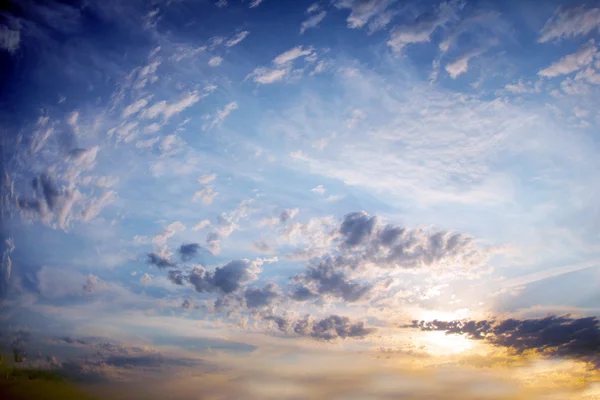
{"points": [[461, 64], [319, 189], [313, 21], [237, 39], [206, 179], [152, 128], [72, 119], [215, 61], [221, 115], [97, 205], [206, 195], [201, 225], [255, 3], [421, 31], [134, 108], [362, 12], [168, 110], [292, 54], [144, 144], [171, 230], [9, 40], [522, 87], [572, 62], [266, 76], [221, 3], [570, 22]]}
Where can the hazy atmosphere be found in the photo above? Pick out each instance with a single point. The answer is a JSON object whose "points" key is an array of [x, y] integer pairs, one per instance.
{"points": [[273, 199]]}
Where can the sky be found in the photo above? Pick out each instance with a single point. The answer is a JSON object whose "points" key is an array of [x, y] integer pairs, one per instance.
{"points": [[269, 199]]}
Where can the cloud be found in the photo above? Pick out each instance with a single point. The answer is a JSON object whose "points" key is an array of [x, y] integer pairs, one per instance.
{"points": [[170, 231], [168, 110], [313, 21], [288, 214], [159, 261], [421, 29], [9, 39], [329, 328], [266, 76], [134, 108], [215, 61], [572, 62], [95, 207], [206, 194], [327, 278], [206, 179], [221, 115], [461, 64], [356, 228], [282, 66], [292, 54], [255, 3], [227, 279], [319, 190], [550, 336], [188, 251], [364, 11], [176, 277], [201, 225], [144, 144], [6, 266], [569, 22], [261, 297], [54, 283], [237, 39]]}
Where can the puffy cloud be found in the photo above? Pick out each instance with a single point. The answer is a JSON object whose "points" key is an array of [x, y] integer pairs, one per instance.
{"points": [[572, 62], [364, 11], [9, 39], [159, 261], [550, 336], [568, 22], [330, 328], [227, 278], [188, 251], [313, 21], [356, 228], [261, 297], [237, 39], [175, 276], [327, 278], [422, 28]]}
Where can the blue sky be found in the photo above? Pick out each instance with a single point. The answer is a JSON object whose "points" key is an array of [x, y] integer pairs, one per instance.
{"points": [[250, 180]]}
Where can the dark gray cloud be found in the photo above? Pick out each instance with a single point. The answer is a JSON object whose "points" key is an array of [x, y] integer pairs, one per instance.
{"points": [[226, 279], [261, 297], [326, 278], [302, 293], [189, 250], [7, 247], [356, 228], [175, 276], [46, 186], [159, 261], [552, 336], [329, 328], [187, 304]]}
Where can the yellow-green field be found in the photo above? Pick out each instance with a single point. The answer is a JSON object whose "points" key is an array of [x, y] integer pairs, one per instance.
{"points": [[24, 384]]}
